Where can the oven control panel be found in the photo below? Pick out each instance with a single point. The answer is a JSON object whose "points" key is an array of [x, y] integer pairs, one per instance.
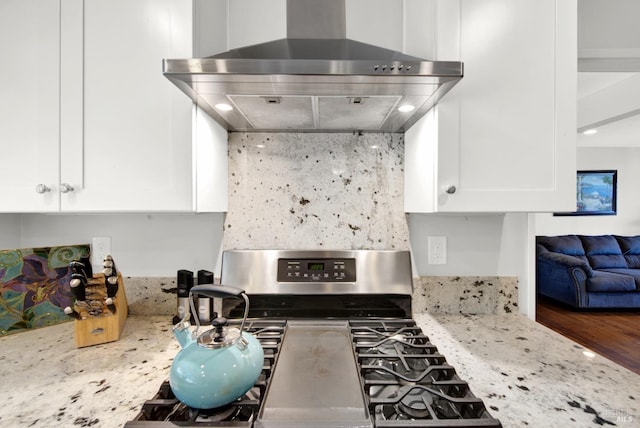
{"points": [[316, 270]]}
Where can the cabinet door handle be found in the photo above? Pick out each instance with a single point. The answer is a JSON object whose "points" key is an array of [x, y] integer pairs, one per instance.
{"points": [[66, 188], [451, 190], [41, 188]]}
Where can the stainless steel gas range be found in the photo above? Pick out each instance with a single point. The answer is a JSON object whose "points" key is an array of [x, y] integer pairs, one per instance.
{"points": [[340, 349]]}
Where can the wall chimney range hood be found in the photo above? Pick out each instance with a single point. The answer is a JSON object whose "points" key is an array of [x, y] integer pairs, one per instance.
{"points": [[315, 80]]}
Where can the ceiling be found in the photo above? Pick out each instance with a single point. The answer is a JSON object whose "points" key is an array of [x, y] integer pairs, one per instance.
{"points": [[609, 73]]}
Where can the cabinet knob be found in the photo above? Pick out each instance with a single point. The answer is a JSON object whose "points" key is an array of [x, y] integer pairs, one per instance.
{"points": [[66, 188], [41, 188], [451, 190]]}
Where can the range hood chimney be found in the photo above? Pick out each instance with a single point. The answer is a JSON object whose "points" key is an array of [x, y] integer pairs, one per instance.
{"points": [[315, 80]]}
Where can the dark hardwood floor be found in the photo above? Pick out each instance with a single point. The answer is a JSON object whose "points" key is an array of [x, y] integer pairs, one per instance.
{"points": [[612, 334]]}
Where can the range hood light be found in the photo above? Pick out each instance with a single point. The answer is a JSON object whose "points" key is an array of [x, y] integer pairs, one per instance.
{"points": [[272, 100], [405, 108], [223, 107], [590, 131]]}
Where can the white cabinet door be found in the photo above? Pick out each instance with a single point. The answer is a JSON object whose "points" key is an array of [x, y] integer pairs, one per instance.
{"points": [[131, 147], [29, 105], [503, 139]]}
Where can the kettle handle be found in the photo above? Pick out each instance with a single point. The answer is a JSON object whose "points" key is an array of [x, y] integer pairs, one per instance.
{"points": [[219, 291]]}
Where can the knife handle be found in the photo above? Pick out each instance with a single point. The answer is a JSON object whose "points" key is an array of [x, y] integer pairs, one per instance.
{"points": [[88, 269], [78, 270], [112, 286], [73, 314], [109, 267], [78, 290]]}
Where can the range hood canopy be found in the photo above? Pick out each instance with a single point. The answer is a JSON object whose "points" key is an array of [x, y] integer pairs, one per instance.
{"points": [[315, 80]]}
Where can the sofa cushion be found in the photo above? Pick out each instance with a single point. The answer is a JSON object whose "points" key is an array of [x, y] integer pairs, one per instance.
{"points": [[634, 273], [565, 244], [603, 252], [630, 246], [603, 281]]}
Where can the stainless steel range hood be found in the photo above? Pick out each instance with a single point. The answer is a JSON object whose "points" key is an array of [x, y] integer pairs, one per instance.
{"points": [[315, 80]]}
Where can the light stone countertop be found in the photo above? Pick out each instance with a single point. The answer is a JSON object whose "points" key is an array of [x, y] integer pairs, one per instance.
{"points": [[529, 375], [526, 374], [49, 382]]}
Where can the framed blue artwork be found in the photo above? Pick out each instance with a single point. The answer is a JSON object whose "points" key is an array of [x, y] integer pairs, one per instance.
{"points": [[595, 193]]}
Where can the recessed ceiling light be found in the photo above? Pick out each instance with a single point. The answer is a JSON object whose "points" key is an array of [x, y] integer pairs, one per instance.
{"points": [[590, 131], [406, 108], [223, 107]]}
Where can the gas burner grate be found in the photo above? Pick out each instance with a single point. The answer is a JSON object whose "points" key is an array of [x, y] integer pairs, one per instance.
{"points": [[408, 383], [165, 410]]}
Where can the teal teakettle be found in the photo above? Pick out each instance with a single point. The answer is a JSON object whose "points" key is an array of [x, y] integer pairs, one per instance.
{"points": [[221, 364]]}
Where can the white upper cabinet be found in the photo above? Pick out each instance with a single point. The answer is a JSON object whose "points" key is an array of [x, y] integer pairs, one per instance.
{"points": [[123, 137], [135, 149], [29, 105], [503, 139]]}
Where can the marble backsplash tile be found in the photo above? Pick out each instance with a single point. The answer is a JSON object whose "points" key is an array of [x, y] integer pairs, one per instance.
{"points": [[465, 294], [151, 295], [316, 191], [333, 191]]}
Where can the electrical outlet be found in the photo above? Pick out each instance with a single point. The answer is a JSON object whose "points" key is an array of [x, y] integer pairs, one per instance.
{"points": [[437, 250], [100, 247]]}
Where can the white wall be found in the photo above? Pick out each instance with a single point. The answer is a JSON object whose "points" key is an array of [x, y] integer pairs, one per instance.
{"points": [[627, 220], [9, 231], [477, 245], [142, 245]]}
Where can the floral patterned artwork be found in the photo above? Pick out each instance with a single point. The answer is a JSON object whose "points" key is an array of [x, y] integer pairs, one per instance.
{"points": [[34, 286]]}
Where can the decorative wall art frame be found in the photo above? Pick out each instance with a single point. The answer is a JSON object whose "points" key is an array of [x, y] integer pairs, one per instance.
{"points": [[595, 193], [34, 286]]}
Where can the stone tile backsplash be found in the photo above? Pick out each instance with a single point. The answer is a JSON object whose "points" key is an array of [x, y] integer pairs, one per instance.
{"points": [[326, 191], [465, 295], [151, 295], [431, 294], [316, 191]]}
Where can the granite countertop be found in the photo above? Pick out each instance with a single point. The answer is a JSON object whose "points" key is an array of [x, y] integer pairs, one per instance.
{"points": [[529, 375], [526, 374]]}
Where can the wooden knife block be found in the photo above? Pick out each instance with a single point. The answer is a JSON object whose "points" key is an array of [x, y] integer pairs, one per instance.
{"points": [[106, 326]]}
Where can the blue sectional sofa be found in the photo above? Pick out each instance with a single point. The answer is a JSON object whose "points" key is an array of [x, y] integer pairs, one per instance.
{"points": [[588, 271]]}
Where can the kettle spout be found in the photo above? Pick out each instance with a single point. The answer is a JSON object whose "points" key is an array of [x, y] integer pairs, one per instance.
{"points": [[182, 333]]}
